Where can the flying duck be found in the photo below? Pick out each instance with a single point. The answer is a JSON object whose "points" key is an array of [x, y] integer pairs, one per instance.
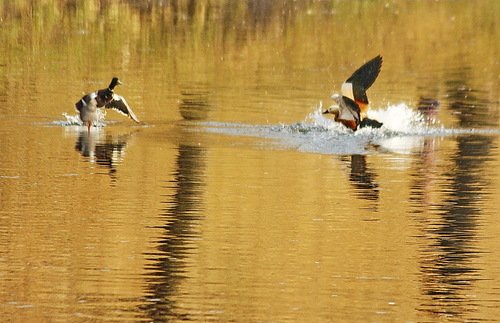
{"points": [[352, 104], [105, 98]]}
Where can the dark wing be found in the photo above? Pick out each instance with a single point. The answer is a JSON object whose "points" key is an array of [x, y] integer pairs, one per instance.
{"points": [[364, 77], [118, 103], [79, 105]]}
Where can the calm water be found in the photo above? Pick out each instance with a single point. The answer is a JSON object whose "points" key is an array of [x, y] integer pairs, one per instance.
{"points": [[236, 200]]}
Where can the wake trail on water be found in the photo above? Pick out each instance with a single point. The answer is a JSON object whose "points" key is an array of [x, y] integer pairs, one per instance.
{"points": [[404, 130]]}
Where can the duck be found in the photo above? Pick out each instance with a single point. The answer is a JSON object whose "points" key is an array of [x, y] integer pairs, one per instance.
{"points": [[105, 98], [352, 103]]}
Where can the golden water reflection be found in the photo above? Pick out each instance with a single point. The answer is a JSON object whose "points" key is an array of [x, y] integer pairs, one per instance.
{"points": [[447, 265], [180, 229], [166, 221]]}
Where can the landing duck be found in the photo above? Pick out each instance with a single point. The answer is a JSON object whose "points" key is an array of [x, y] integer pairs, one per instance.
{"points": [[105, 98], [352, 104]]}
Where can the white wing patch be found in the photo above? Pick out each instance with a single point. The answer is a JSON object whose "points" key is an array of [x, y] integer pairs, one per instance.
{"points": [[347, 90]]}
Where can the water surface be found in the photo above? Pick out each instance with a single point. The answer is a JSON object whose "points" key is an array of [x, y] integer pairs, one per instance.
{"points": [[236, 199]]}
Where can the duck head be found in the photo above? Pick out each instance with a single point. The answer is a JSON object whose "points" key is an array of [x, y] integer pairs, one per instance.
{"points": [[114, 82], [334, 109]]}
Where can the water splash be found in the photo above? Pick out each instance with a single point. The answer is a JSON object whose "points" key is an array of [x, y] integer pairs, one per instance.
{"points": [[404, 131], [401, 118], [74, 120], [71, 120], [398, 118]]}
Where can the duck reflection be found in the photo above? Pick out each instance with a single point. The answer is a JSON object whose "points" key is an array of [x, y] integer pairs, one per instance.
{"points": [[362, 178], [105, 149]]}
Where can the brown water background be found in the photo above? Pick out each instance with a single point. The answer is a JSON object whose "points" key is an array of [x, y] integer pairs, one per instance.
{"points": [[227, 203]]}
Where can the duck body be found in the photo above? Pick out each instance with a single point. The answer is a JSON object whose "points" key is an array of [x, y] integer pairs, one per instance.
{"points": [[105, 98], [352, 104], [347, 112], [87, 107]]}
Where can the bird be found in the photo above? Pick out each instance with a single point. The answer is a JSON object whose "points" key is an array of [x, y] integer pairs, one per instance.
{"points": [[352, 104], [105, 98]]}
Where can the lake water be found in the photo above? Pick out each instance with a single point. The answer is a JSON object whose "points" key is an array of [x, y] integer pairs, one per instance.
{"points": [[235, 199]]}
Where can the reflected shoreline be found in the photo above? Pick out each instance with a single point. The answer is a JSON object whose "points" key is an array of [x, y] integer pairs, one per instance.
{"points": [[238, 201]]}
